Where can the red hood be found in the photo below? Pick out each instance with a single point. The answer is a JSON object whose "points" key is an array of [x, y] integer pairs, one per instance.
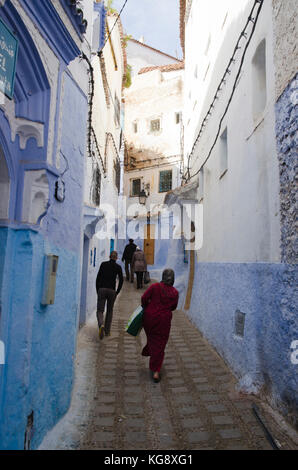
{"points": [[168, 292]]}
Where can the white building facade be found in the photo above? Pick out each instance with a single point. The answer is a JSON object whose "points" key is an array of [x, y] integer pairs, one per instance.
{"points": [[153, 158], [142, 55], [153, 130]]}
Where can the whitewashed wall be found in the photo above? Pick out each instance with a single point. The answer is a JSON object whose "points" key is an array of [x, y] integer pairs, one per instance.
{"points": [[103, 115], [140, 55], [150, 176], [241, 208], [154, 95]]}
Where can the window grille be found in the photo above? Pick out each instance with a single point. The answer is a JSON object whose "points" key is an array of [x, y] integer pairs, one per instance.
{"points": [[135, 187], [165, 181], [96, 186], [178, 117], [155, 125]]}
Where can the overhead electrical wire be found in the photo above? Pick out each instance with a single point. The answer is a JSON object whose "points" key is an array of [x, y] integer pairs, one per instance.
{"points": [[98, 151], [187, 177], [107, 38], [91, 133], [109, 35]]}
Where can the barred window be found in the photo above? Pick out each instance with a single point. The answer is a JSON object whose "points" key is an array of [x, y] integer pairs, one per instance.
{"points": [[155, 125], [165, 181], [96, 186], [135, 187]]}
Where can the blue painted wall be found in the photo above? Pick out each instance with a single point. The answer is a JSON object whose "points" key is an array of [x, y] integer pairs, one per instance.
{"points": [[266, 294], [40, 340], [261, 359]]}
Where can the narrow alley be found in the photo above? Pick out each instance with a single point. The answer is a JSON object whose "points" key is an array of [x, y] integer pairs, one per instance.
{"points": [[115, 404], [161, 134]]}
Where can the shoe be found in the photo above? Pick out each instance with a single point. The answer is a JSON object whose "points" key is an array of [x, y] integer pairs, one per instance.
{"points": [[101, 332], [156, 379]]}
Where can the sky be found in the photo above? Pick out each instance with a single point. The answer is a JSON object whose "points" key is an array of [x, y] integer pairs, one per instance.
{"points": [[156, 20]]}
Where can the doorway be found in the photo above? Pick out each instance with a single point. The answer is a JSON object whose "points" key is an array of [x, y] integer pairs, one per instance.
{"points": [[149, 243]]}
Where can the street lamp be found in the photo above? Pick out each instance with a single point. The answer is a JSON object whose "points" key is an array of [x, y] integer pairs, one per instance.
{"points": [[142, 197]]}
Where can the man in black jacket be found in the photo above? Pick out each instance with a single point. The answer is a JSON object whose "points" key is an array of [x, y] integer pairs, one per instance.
{"points": [[106, 292], [127, 257]]}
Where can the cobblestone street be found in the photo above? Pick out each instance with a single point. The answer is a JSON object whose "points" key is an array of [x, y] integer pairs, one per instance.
{"points": [[116, 405]]}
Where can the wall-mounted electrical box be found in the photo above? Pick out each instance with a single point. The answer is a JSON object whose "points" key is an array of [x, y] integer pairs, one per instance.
{"points": [[49, 279]]}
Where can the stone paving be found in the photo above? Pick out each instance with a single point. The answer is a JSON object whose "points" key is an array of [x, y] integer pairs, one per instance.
{"points": [[116, 406]]}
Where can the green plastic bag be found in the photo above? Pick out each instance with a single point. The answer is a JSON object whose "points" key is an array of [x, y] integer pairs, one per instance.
{"points": [[135, 322]]}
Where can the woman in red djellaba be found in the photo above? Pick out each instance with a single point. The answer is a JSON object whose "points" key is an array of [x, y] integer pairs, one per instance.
{"points": [[158, 302]]}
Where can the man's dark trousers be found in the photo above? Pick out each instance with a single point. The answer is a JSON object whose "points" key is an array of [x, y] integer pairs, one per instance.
{"points": [[128, 272], [105, 295]]}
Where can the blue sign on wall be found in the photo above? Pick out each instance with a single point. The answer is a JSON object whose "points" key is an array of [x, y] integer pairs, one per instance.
{"points": [[8, 59]]}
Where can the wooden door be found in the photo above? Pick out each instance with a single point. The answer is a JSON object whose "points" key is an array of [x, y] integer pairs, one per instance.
{"points": [[149, 243]]}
